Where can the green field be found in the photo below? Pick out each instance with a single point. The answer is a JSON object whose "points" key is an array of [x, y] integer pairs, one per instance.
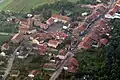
{"points": [[25, 5], [3, 38]]}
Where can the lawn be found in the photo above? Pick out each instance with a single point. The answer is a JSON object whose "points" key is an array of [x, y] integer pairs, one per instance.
{"points": [[3, 38], [25, 5], [5, 3]]}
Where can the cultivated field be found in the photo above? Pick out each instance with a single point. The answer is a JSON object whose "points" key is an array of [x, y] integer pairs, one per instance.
{"points": [[25, 5]]}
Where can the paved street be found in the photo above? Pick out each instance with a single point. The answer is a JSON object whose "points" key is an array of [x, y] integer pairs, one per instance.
{"points": [[10, 63]]}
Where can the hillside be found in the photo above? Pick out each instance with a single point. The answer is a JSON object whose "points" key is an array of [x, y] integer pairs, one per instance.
{"points": [[25, 5]]}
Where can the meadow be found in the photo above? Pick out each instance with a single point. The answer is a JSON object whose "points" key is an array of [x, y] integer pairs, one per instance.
{"points": [[3, 38], [24, 5]]}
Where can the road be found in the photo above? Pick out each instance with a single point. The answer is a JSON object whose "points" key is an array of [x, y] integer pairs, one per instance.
{"points": [[59, 70], [6, 34], [10, 63]]}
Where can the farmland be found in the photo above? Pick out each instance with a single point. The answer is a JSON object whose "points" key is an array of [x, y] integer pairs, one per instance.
{"points": [[24, 5]]}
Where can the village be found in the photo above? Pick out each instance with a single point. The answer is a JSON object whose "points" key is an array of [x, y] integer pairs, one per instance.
{"points": [[55, 42]]}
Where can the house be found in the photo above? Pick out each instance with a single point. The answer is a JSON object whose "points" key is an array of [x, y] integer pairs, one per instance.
{"points": [[43, 49], [62, 54], [104, 41], [67, 47], [42, 25], [5, 46], [14, 73], [86, 43], [100, 8], [112, 11], [33, 73], [49, 66], [41, 36], [91, 17], [71, 65], [23, 29], [24, 22], [61, 18], [17, 38], [50, 21], [60, 35], [53, 43], [81, 27], [93, 36]]}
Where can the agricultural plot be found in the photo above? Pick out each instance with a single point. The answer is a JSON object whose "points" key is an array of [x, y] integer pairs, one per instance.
{"points": [[24, 5]]}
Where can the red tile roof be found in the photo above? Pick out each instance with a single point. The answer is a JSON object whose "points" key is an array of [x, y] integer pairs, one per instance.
{"points": [[113, 10], [93, 36], [72, 65], [104, 41], [73, 61], [43, 26], [62, 52], [42, 36], [60, 35], [53, 43], [86, 42], [43, 49], [81, 27], [84, 45], [72, 69], [50, 21], [101, 7]]}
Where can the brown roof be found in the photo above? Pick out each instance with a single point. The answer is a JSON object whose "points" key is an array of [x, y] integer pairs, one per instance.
{"points": [[5, 45], [73, 61], [113, 10], [42, 35], [17, 36], [61, 17], [62, 52], [49, 65], [93, 36], [23, 27], [37, 23], [81, 27], [50, 21], [54, 42], [72, 69], [86, 42], [84, 45], [100, 7], [104, 41]]}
